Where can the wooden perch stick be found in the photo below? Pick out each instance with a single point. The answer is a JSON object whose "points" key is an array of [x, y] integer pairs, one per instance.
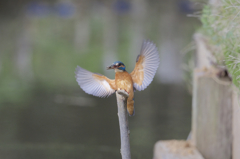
{"points": [[122, 97]]}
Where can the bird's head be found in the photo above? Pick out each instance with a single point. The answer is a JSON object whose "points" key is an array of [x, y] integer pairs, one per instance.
{"points": [[118, 66]]}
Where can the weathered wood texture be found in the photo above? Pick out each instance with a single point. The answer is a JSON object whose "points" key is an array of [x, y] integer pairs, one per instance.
{"points": [[211, 116], [236, 124], [204, 57], [123, 123], [175, 149]]}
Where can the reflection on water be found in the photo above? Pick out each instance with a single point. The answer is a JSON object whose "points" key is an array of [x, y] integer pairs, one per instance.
{"points": [[50, 126]]}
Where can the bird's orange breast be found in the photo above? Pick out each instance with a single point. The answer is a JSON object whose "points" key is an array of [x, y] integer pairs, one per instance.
{"points": [[123, 80]]}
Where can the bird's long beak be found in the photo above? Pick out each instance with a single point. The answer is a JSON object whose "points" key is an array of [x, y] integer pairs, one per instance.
{"points": [[111, 67]]}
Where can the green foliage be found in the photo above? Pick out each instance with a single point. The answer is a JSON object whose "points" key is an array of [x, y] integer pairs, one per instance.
{"points": [[53, 58], [222, 25]]}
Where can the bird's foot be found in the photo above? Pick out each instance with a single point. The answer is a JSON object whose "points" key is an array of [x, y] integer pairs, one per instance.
{"points": [[123, 89], [123, 92]]}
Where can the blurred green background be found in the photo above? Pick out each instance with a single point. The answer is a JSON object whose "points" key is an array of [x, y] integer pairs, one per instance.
{"points": [[44, 113]]}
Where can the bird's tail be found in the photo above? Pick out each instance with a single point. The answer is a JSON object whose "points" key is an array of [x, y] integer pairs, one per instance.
{"points": [[130, 107]]}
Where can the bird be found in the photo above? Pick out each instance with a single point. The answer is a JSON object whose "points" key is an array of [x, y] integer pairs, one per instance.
{"points": [[147, 63]]}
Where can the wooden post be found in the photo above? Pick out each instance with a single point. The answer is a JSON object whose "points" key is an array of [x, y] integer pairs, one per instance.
{"points": [[236, 124], [212, 116], [122, 97], [204, 57], [175, 149]]}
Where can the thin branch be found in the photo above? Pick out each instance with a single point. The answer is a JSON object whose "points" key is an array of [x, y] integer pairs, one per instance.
{"points": [[122, 97]]}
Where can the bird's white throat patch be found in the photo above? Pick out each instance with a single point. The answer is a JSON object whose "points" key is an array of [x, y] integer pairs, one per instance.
{"points": [[117, 70]]}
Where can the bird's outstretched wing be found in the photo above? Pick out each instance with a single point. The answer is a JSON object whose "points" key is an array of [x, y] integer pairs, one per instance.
{"points": [[94, 84], [146, 66]]}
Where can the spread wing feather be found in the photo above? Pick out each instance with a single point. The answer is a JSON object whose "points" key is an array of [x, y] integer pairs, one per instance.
{"points": [[146, 66], [94, 84]]}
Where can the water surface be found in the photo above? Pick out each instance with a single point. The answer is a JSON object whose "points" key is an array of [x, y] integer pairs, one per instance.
{"points": [[66, 126]]}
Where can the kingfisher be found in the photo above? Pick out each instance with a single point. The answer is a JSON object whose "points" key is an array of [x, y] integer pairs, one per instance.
{"points": [[145, 69]]}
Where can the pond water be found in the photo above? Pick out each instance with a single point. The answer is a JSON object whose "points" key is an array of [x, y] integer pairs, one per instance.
{"points": [[79, 126]]}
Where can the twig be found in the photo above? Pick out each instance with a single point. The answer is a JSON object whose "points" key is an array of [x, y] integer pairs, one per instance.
{"points": [[122, 97]]}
